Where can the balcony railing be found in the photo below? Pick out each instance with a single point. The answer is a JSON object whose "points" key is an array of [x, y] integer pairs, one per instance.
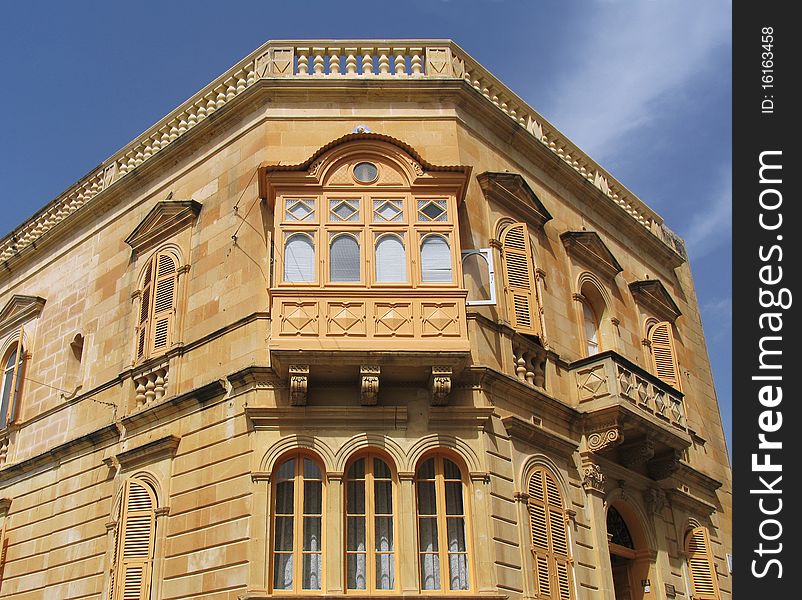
{"points": [[611, 376], [326, 59]]}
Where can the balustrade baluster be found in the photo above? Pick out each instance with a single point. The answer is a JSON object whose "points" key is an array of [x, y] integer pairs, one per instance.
{"points": [[417, 61], [400, 62], [303, 61], [367, 61], [317, 62], [334, 61], [350, 61], [384, 61]]}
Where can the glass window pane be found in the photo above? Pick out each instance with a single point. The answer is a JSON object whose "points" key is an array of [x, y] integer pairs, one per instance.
{"points": [[383, 500], [299, 210], [356, 534], [427, 504], [451, 470], [432, 210], [427, 534], [344, 264], [365, 172], [426, 469], [384, 534], [313, 497], [458, 571], [283, 534], [357, 469], [282, 571], [312, 534], [454, 498], [284, 498], [311, 571], [311, 470], [299, 259], [380, 469], [391, 260], [355, 498], [385, 572], [388, 211], [357, 572], [476, 276], [456, 535], [286, 470], [430, 571], [344, 210], [435, 259]]}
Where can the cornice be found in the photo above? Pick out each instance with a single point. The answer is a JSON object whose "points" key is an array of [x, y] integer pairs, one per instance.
{"points": [[19, 310], [149, 452], [278, 62], [588, 248], [652, 294], [366, 418], [544, 438]]}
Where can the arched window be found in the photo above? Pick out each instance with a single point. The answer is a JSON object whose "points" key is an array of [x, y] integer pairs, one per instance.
{"points": [[548, 526], [299, 259], [700, 565], [442, 549], [435, 256], [478, 276], [664, 356], [370, 527], [593, 307], [391, 259], [298, 524], [344, 258], [132, 562], [157, 306], [12, 382]]}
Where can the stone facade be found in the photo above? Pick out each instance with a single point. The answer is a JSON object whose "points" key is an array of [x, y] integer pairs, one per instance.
{"points": [[257, 366]]}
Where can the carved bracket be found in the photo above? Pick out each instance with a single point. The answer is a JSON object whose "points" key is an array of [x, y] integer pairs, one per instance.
{"points": [[370, 384], [664, 466], [592, 478], [637, 452], [299, 384], [440, 385], [600, 441]]}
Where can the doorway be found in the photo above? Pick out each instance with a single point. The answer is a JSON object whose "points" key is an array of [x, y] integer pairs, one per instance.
{"points": [[628, 557]]}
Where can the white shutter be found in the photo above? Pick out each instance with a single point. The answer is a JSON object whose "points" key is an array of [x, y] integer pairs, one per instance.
{"points": [[391, 260], [435, 260], [299, 259], [344, 259]]}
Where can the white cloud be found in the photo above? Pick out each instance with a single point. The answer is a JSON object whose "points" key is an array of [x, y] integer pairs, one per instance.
{"points": [[632, 55], [711, 226]]}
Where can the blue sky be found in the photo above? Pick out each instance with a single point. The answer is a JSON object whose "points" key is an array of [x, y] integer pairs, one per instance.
{"points": [[643, 86]]}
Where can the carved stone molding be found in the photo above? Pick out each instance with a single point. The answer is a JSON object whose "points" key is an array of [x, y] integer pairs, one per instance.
{"points": [[440, 385], [299, 384], [653, 295], [164, 220], [656, 500], [164, 447], [19, 310], [370, 384], [598, 441], [637, 452], [592, 478], [588, 248]]}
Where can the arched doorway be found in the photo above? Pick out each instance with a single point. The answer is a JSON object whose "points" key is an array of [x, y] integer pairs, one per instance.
{"points": [[630, 556]]}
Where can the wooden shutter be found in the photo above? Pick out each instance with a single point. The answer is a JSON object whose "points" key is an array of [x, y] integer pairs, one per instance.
{"points": [[664, 357], [134, 544], [144, 313], [165, 277], [549, 535], [700, 564], [519, 280]]}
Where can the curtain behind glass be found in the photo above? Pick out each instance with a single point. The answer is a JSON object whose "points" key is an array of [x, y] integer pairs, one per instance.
{"points": [[344, 259], [391, 260], [299, 259], [435, 259]]}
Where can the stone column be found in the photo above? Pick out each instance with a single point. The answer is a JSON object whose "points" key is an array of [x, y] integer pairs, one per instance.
{"points": [[405, 545], [593, 483], [484, 573], [334, 551]]}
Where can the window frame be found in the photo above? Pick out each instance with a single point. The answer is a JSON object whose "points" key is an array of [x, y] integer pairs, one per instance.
{"points": [[442, 524], [423, 236], [148, 282], [311, 233], [487, 254], [9, 414], [298, 518], [328, 261], [370, 539]]}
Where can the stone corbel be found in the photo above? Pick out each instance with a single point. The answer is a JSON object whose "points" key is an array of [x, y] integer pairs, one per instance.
{"points": [[599, 441], [656, 501], [637, 452], [440, 384], [299, 384], [592, 478], [665, 465], [370, 384]]}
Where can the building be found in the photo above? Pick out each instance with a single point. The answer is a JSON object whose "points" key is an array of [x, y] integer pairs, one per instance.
{"points": [[355, 319]]}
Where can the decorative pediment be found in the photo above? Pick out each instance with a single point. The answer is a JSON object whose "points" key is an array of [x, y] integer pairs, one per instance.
{"points": [[512, 191], [18, 310], [587, 247], [165, 220], [652, 295]]}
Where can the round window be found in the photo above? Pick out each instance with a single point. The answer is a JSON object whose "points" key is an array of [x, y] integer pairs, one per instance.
{"points": [[365, 172]]}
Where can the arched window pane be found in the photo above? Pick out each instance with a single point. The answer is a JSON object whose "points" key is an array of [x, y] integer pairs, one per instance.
{"points": [[344, 259], [591, 329], [476, 276], [299, 259], [391, 260], [435, 259]]}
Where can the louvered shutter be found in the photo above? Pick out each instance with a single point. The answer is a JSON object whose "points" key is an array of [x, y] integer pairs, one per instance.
{"points": [[163, 302], [664, 357], [700, 565], [135, 544], [144, 313], [519, 280], [550, 545]]}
